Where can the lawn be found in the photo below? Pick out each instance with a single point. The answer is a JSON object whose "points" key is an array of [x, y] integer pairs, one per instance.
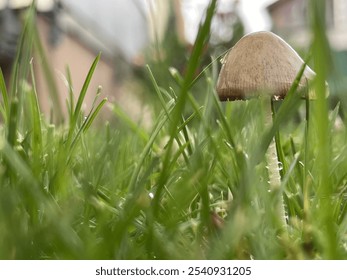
{"points": [[193, 186]]}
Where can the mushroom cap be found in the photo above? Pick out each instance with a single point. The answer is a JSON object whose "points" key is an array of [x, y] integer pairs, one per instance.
{"points": [[260, 63]]}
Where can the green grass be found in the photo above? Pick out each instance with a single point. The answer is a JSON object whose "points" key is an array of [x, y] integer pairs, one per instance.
{"points": [[193, 187]]}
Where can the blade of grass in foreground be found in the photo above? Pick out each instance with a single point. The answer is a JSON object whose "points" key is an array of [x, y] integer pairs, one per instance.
{"points": [[193, 63], [323, 201], [84, 89], [88, 120], [53, 92], [77, 111], [35, 117], [5, 107], [162, 101], [20, 71], [70, 101], [131, 207], [17, 164], [140, 132]]}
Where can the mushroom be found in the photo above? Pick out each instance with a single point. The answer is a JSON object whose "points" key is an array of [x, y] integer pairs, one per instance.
{"points": [[261, 64]]}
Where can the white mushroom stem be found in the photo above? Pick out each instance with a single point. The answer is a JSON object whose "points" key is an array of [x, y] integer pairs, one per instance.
{"points": [[274, 175], [273, 168]]}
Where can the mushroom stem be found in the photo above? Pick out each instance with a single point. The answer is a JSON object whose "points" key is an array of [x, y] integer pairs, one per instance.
{"points": [[274, 169]]}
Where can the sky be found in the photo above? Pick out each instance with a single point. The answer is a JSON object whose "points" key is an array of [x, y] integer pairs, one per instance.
{"points": [[254, 15], [112, 19], [252, 12]]}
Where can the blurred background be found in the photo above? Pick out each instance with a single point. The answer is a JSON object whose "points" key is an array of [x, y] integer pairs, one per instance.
{"points": [[133, 33]]}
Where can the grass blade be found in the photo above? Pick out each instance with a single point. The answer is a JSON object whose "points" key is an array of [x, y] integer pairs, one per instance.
{"points": [[5, 106], [84, 89]]}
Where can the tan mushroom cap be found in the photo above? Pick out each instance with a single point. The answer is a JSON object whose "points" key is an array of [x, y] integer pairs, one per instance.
{"points": [[260, 63]]}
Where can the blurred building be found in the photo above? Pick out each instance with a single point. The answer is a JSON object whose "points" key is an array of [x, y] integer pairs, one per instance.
{"points": [[291, 21], [67, 44], [72, 33]]}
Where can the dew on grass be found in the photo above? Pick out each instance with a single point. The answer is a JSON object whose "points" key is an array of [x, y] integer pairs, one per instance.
{"points": [[280, 166]]}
